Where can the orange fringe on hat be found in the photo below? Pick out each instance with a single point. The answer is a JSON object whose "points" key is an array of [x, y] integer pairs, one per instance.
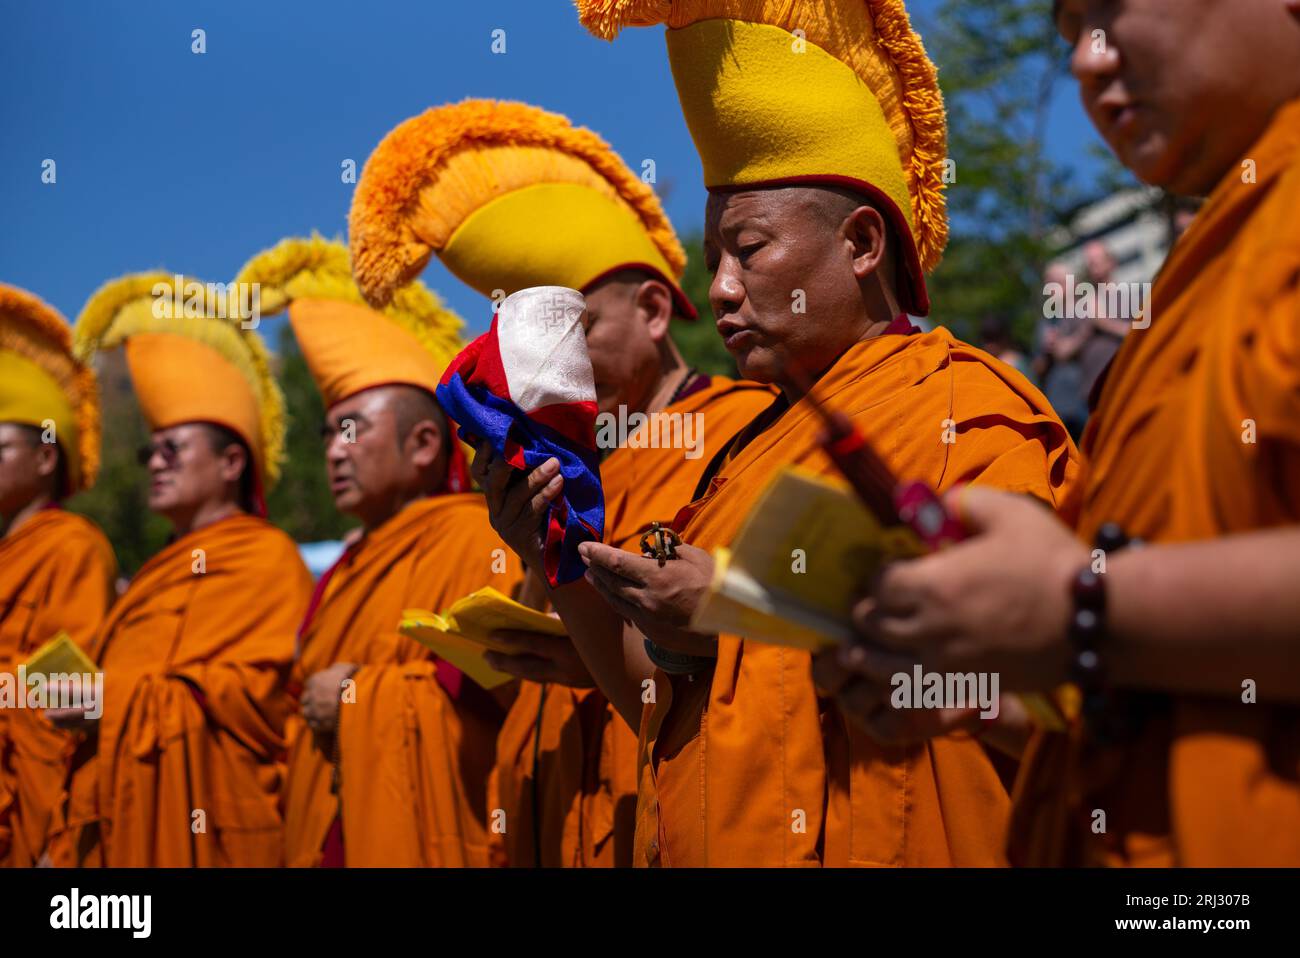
{"points": [[46, 341], [317, 268], [918, 122], [390, 245]]}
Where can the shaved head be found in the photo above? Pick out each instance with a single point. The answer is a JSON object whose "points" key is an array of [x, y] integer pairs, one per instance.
{"points": [[412, 406], [835, 204]]}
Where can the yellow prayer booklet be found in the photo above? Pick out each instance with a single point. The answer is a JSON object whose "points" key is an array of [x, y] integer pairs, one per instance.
{"points": [[799, 563], [60, 655], [464, 632]]}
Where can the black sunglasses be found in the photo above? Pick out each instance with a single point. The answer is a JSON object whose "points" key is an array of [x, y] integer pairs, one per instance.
{"points": [[169, 449]]}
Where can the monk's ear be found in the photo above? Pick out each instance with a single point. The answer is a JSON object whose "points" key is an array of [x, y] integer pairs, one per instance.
{"points": [[867, 233], [233, 462], [47, 459], [424, 443], [654, 306]]}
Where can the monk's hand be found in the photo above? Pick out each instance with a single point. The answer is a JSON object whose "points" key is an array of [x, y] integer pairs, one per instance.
{"points": [[859, 679], [517, 503], [321, 695], [72, 719], [538, 657], [658, 600], [998, 602]]}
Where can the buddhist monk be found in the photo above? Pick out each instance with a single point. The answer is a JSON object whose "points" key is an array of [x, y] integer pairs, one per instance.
{"points": [[184, 765], [817, 235], [390, 756], [1184, 750], [565, 779], [56, 567]]}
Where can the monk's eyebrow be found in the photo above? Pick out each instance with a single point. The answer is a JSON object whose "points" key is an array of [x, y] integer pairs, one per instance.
{"points": [[742, 222]]}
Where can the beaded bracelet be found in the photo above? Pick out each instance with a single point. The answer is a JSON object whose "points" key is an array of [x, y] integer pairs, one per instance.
{"points": [[1087, 632]]}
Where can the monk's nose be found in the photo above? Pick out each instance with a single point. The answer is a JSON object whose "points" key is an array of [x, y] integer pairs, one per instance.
{"points": [[726, 292], [1095, 59]]}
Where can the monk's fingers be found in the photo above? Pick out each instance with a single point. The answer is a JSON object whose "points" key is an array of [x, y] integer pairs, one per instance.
{"points": [[60, 716], [542, 501], [694, 555], [886, 726], [909, 726], [613, 595], [873, 663], [496, 480], [901, 586], [482, 459], [611, 584], [518, 641], [907, 632], [531, 668], [860, 699], [618, 562], [525, 497]]}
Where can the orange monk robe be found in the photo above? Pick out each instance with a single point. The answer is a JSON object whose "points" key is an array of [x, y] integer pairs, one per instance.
{"points": [[566, 753], [187, 763], [1197, 435], [56, 575], [747, 766], [412, 758]]}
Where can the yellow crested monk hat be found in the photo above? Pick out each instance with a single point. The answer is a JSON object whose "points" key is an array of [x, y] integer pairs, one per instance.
{"points": [[42, 382], [789, 92], [348, 346], [191, 360], [508, 196]]}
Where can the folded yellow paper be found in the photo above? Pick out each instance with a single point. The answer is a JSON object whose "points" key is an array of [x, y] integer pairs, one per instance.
{"points": [[60, 655], [464, 632], [798, 565]]}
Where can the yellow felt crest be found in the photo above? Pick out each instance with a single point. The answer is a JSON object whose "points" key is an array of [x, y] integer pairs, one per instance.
{"points": [[809, 91], [193, 357], [42, 382], [508, 196]]}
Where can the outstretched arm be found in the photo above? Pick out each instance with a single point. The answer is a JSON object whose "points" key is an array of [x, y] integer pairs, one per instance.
{"points": [[1196, 618]]}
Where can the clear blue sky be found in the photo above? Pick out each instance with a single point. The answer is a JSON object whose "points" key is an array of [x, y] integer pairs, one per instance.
{"points": [[192, 163]]}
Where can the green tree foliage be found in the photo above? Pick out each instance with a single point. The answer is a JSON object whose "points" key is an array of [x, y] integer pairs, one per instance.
{"points": [[1000, 65], [302, 503]]}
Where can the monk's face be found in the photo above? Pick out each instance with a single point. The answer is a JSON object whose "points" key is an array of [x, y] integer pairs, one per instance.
{"points": [[624, 326], [1180, 89], [27, 467], [366, 460], [784, 289], [189, 469]]}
